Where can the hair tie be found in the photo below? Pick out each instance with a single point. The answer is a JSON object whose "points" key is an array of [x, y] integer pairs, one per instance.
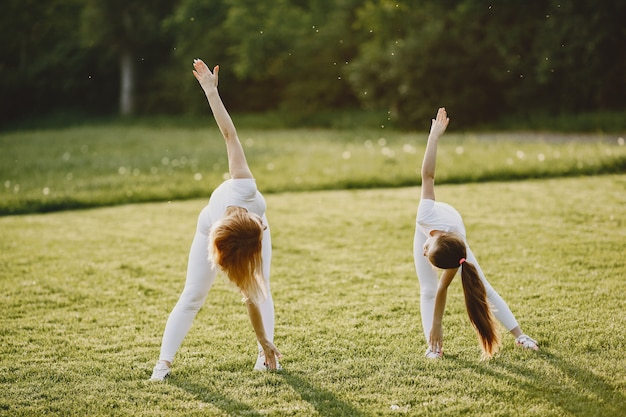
{"points": [[461, 261]]}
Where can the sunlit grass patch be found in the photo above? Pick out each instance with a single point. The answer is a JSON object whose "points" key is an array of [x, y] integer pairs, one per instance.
{"points": [[89, 166], [85, 296]]}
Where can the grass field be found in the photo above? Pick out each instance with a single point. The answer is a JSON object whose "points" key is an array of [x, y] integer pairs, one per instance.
{"points": [[85, 296], [96, 165]]}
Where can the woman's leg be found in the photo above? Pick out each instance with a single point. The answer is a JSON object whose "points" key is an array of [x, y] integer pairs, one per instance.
{"points": [[200, 277], [500, 309], [427, 276]]}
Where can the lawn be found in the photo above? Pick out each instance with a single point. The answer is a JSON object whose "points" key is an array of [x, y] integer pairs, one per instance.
{"points": [[95, 165], [85, 296]]}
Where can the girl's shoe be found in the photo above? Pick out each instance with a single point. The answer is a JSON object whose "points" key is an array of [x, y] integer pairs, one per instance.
{"points": [[431, 354], [526, 342]]}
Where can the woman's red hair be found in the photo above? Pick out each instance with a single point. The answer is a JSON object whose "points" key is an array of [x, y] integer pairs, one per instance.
{"points": [[235, 244]]}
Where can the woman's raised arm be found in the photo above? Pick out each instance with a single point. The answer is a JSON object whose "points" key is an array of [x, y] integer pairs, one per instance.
{"points": [[237, 163]]}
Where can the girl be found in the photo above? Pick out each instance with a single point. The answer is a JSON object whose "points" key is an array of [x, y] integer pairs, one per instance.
{"points": [[440, 241], [234, 228]]}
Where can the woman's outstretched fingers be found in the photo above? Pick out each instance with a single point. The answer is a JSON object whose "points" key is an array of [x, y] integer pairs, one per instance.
{"points": [[271, 363], [206, 77], [271, 357], [270, 360], [196, 72]]}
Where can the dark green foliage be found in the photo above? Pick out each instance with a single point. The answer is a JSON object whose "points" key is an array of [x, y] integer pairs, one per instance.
{"points": [[43, 66], [488, 60], [483, 60]]}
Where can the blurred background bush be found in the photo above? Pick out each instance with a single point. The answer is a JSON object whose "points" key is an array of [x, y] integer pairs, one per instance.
{"points": [[500, 63]]}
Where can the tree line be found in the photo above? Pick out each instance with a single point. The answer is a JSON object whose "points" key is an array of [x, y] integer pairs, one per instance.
{"points": [[482, 59]]}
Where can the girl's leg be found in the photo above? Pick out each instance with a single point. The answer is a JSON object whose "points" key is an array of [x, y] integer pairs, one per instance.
{"points": [[200, 277], [500, 309], [427, 276]]}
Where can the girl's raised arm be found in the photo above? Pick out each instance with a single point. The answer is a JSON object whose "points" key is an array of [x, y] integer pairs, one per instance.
{"points": [[438, 126]]}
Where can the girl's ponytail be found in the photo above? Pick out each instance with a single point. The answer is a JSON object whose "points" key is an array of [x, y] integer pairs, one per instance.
{"points": [[478, 309], [450, 252]]}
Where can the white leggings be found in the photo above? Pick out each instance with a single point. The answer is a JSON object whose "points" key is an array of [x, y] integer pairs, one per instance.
{"points": [[200, 278], [427, 276]]}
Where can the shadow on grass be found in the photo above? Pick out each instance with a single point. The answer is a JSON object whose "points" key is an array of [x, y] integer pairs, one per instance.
{"points": [[323, 401], [577, 392], [226, 404]]}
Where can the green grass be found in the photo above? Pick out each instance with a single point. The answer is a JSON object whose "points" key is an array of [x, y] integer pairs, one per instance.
{"points": [[96, 165], [85, 296]]}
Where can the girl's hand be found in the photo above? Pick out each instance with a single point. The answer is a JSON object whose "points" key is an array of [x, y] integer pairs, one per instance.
{"points": [[436, 339], [206, 78], [440, 123], [271, 354]]}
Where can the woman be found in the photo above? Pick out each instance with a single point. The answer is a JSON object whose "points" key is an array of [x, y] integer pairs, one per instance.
{"points": [[234, 228], [440, 241]]}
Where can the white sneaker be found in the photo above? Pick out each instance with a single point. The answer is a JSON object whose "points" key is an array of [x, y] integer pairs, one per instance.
{"points": [[526, 342], [430, 354], [160, 371], [261, 366]]}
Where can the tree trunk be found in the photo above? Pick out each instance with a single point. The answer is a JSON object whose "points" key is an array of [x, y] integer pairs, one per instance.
{"points": [[127, 83]]}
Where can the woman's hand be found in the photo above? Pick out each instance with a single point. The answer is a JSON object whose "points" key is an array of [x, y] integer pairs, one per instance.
{"points": [[439, 124], [269, 350], [271, 354], [206, 78]]}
